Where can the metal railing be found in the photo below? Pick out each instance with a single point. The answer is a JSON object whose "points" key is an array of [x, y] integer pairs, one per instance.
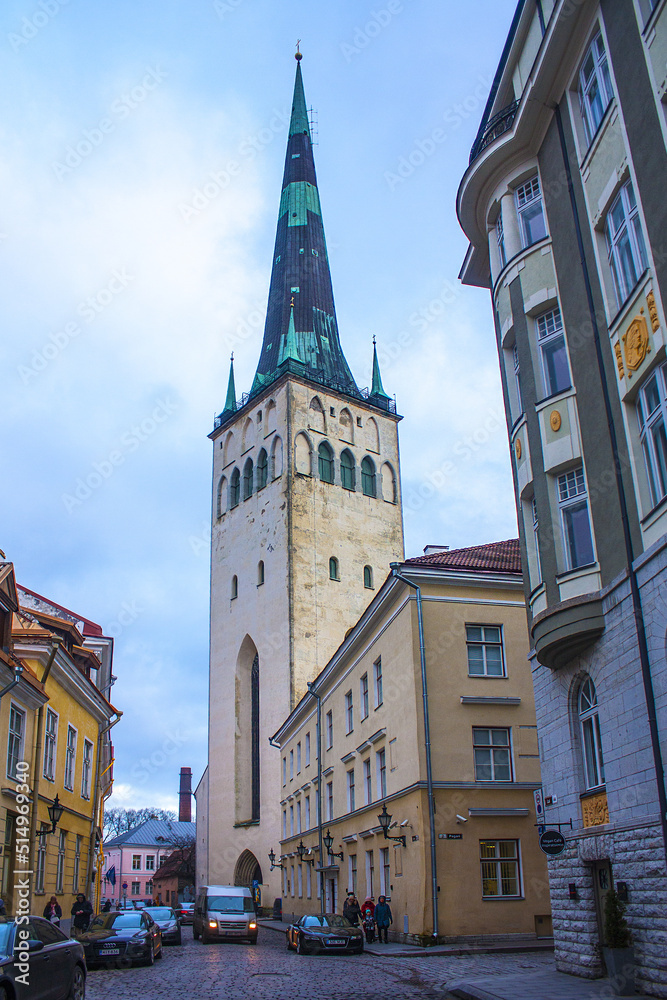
{"points": [[495, 127]]}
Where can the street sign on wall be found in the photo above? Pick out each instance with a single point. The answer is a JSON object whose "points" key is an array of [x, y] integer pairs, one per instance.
{"points": [[552, 842]]}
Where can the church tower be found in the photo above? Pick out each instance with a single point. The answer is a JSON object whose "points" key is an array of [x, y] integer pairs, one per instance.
{"points": [[306, 519]]}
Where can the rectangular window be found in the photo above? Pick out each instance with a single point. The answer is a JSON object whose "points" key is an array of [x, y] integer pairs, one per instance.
{"points": [[377, 676], [500, 240], [284, 824], [536, 536], [291, 821], [352, 873], [309, 883], [15, 741], [300, 880], [136, 862], [595, 89], [60, 862], [530, 211], [77, 863], [298, 817], [349, 712], [553, 353], [150, 862], [500, 867], [307, 749], [368, 791], [50, 743], [307, 810], [625, 243], [285, 881], [329, 730], [291, 765], [149, 888], [575, 521], [136, 889], [292, 887], [330, 804], [652, 415], [86, 766], [298, 757], [492, 754], [381, 771], [517, 378], [393, 762], [370, 874], [41, 858], [364, 697], [284, 771], [385, 877], [70, 758], [350, 791], [484, 644]]}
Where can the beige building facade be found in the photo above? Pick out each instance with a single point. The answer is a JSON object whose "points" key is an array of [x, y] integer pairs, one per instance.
{"points": [[471, 866]]}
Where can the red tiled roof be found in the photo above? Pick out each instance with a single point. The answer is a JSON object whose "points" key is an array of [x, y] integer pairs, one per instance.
{"points": [[89, 628], [496, 557]]}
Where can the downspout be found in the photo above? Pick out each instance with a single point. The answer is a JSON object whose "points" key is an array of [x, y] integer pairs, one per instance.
{"points": [[627, 536], [97, 808], [427, 741], [36, 763], [18, 670], [319, 790]]}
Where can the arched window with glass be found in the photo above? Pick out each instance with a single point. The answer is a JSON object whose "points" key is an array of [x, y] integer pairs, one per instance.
{"points": [[325, 462], [368, 577], [260, 572], [347, 470], [247, 479], [368, 477], [221, 505], [262, 469], [334, 571], [235, 588], [234, 488], [591, 744]]}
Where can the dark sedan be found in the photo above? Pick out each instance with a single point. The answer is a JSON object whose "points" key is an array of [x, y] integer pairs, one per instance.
{"points": [[186, 912], [122, 938], [38, 961], [330, 932], [168, 922]]}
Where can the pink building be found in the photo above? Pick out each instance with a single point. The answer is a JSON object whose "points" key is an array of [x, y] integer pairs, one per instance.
{"points": [[136, 855]]}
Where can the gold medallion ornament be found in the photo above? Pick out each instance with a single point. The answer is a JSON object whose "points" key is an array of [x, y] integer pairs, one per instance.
{"points": [[555, 420], [517, 448], [636, 343], [652, 311], [619, 360], [594, 810]]}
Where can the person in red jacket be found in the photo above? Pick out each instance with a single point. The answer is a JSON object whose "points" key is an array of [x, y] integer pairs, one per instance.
{"points": [[367, 919]]}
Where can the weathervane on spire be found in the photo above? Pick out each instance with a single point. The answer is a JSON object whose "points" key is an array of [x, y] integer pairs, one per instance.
{"points": [[298, 55]]}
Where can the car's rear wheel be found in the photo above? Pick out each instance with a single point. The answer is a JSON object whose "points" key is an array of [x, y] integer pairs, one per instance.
{"points": [[4, 995], [160, 953], [77, 990], [151, 955], [300, 946], [287, 941], [195, 933]]}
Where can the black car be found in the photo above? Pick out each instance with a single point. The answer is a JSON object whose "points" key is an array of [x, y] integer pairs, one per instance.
{"points": [[330, 932], [168, 921], [38, 961], [122, 938], [186, 912]]}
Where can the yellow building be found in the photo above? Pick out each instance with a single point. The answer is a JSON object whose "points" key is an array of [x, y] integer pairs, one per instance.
{"points": [[56, 722], [427, 702]]}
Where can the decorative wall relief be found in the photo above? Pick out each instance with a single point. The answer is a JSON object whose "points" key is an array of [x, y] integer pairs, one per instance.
{"points": [[636, 343], [595, 810], [517, 448], [555, 420], [653, 311], [619, 360]]}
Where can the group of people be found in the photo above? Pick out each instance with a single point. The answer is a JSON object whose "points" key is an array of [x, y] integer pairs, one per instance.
{"points": [[82, 911], [372, 916]]}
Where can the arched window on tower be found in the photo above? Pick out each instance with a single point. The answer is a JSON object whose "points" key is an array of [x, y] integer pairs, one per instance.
{"points": [[346, 424], [247, 479], [591, 744], [221, 505], [254, 736], [260, 572], [316, 419], [325, 462], [347, 470], [262, 469], [368, 577], [368, 477], [234, 489], [334, 570], [277, 457], [389, 491], [235, 588]]}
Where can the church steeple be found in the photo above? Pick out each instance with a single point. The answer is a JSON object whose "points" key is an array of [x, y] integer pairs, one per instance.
{"points": [[378, 394], [230, 401], [305, 334]]}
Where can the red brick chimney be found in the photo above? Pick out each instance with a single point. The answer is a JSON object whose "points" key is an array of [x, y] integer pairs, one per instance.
{"points": [[185, 796]]}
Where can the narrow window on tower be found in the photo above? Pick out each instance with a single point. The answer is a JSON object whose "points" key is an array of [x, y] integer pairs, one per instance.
{"points": [[334, 573], [235, 588], [262, 469], [347, 470], [247, 479], [368, 577], [325, 462], [368, 477], [234, 488], [260, 572]]}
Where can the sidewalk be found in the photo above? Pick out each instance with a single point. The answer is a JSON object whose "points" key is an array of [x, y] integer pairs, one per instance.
{"points": [[536, 986]]}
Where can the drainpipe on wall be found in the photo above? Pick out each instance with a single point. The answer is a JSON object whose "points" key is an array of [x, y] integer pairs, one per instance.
{"points": [[98, 807], [36, 762], [427, 740], [18, 670], [319, 790]]}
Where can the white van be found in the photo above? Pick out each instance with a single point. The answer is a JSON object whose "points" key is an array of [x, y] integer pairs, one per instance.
{"points": [[223, 912]]}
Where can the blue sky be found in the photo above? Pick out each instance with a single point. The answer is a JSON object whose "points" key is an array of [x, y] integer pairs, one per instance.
{"points": [[142, 148]]}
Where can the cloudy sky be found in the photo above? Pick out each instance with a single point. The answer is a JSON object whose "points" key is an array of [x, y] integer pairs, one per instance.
{"points": [[142, 147]]}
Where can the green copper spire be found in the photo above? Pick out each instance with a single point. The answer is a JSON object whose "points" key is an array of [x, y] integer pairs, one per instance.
{"points": [[230, 402], [377, 387], [289, 350], [299, 122]]}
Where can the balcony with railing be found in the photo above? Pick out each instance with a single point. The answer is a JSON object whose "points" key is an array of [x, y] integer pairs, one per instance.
{"points": [[493, 129]]}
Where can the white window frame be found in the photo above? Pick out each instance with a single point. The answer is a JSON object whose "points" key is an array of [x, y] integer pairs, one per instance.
{"points": [[550, 335], [298, 757], [591, 742], [70, 757], [284, 824], [15, 739], [377, 682], [86, 768], [352, 873], [77, 863], [330, 800], [299, 873], [136, 863], [368, 785], [536, 536], [363, 695], [625, 241], [307, 749], [41, 858], [495, 750], [298, 816], [652, 419], [599, 81], [349, 712], [500, 240], [307, 812], [329, 724], [385, 872], [517, 378], [381, 772], [571, 494], [487, 642], [309, 884], [292, 886], [284, 771], [60, 862], [150, 862], [350, 791], [497, 862], [291, 821], [527, 198], [135, 889], [50, 744], [291, 765], [370, 873]]}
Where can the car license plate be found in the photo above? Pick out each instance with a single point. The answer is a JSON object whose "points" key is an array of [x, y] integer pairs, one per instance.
{"points": [[110, 951], [335, 940], [239, 933]]}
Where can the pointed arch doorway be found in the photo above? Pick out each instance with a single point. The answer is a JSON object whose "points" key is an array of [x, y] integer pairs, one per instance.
{"points": [[247, 870]]}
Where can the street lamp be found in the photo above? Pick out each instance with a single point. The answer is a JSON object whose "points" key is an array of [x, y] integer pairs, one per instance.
{"points": [[328, 843], [301, 850], [385, 823], [272, 859]]}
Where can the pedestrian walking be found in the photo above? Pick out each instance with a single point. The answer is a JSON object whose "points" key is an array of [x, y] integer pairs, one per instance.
{"points": [[82, 911], [352, 910], [53, 911], [107, 906], [383, 918], [368, 919]]}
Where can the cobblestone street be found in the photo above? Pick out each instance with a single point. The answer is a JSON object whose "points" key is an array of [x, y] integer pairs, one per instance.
{"points": [[268, 971]]}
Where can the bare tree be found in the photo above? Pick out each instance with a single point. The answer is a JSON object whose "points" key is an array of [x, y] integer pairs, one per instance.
{"points": [[117, 821]]}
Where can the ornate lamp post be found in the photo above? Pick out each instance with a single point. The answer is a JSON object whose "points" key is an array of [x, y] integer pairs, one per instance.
{"points": [[301, 851], [385, 823], [272, 859], [328, 843]]}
